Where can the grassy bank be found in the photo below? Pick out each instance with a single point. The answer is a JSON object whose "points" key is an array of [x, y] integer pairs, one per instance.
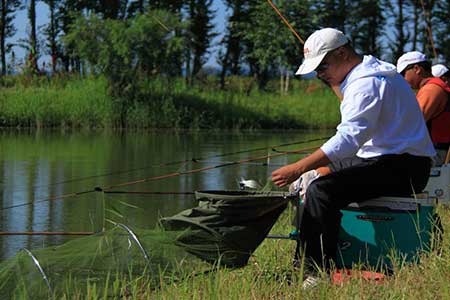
{"points": [[65, 103], [164, 103], [269, 275]]}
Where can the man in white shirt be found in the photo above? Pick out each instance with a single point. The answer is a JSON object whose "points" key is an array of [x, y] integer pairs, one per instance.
{"points": [[381, 144]]}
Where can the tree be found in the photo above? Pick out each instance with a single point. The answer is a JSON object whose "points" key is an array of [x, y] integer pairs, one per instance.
{"points": [[265, 40], [416, 22], [52, 31], [7, 28], [428, 47], [366, 23], [111, 9], [331, 13], [401, 35], [33, 44], [443, 29], [230, 57], [199, 33], [136, 7], [173, 6], [69, 11], [304, 23], [126, 52]]}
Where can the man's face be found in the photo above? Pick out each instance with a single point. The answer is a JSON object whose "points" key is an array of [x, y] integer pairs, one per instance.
{"points": [[331, 68], [411, 75]]}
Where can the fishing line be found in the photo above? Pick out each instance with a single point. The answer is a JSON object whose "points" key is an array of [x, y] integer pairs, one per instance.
{"points": [[155, 178], [190, 160], [176, 174], [285, 152], [148, 193], [77, 233]]}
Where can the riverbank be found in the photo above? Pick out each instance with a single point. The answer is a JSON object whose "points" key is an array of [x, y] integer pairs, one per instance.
{"points": [[85, 103]]}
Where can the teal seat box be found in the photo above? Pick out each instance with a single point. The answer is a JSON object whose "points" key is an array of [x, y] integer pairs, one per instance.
{"points": [[375, 231]]}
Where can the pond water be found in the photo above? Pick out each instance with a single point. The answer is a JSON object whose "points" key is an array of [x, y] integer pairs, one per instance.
{"points": [[50, 180]]}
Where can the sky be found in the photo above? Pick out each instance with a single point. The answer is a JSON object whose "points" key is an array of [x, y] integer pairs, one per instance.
{"points": [[42, 17]]}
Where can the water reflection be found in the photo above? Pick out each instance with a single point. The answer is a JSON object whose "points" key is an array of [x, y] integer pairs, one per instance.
{"points": [[36, 166]]}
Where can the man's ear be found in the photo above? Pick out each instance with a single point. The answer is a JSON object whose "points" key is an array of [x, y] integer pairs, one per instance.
{"points": [[418, 69], [343, 54], [339, 52]]}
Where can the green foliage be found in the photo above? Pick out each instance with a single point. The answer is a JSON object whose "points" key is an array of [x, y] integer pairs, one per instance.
{"points": [[165, 103], [265, 39], [332, 13], [267, 36], [366, 22], [142, 46], [7, 29], [126, 52], [443, 29], [200, 32]]}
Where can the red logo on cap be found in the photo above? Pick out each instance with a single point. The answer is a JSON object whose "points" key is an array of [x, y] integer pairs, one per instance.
{"points": [[305, 51]]}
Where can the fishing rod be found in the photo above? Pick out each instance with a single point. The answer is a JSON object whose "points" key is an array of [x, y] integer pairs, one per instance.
{"points": [[167, 164], [87, 233], [76, 233], [286, 22], [176, 174], [281, 237], [170, 175], [148, 193]]}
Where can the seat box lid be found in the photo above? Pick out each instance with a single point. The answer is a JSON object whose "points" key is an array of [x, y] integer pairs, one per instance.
{"points": [[393, 203]]}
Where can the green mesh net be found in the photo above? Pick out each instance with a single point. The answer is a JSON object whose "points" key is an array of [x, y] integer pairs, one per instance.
{"points": [[97, 260], [224, 229]]}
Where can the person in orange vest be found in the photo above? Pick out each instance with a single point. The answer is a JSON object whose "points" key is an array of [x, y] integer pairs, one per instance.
{"points": [[433, 97], [442, 72]]}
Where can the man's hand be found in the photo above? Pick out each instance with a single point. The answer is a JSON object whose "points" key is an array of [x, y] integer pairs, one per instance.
{"points": [[285, 175]]}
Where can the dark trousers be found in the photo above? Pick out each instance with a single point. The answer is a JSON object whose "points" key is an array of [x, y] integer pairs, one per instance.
{"points": [[355, 180]]}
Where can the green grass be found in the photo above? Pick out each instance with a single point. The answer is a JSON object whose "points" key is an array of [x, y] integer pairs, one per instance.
{"points": [[269, 275], [165, 103], [77, 103]]}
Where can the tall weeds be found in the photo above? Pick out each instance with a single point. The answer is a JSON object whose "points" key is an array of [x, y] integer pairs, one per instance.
{"points": [[163, 103]]}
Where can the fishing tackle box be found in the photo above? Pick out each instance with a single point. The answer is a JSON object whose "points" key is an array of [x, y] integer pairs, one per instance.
{"points": [[374, 232]]}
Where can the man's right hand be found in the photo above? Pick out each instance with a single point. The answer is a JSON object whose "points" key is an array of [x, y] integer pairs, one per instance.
{"points": [[285, 175]]}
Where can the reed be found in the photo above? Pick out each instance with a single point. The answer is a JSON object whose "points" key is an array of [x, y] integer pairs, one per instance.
{"points": [[77, 103], [162, 103]]}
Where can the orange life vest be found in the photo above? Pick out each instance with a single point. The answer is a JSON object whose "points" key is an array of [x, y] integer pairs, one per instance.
{"points": [[439, 126]]}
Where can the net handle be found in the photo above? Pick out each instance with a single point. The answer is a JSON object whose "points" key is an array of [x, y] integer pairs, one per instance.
{"points": [[136, 240], [38, 266]]}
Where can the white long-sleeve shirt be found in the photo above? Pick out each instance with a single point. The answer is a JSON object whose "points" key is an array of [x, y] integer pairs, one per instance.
{"points": [[379, 115]]}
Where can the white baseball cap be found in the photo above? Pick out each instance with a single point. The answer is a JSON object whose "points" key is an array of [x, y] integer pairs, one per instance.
{"points": [[317, 46], [409, 58], [439, 70]]}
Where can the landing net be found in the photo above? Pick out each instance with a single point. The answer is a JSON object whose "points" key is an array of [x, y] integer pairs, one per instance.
{"points": [[223, 230]]}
